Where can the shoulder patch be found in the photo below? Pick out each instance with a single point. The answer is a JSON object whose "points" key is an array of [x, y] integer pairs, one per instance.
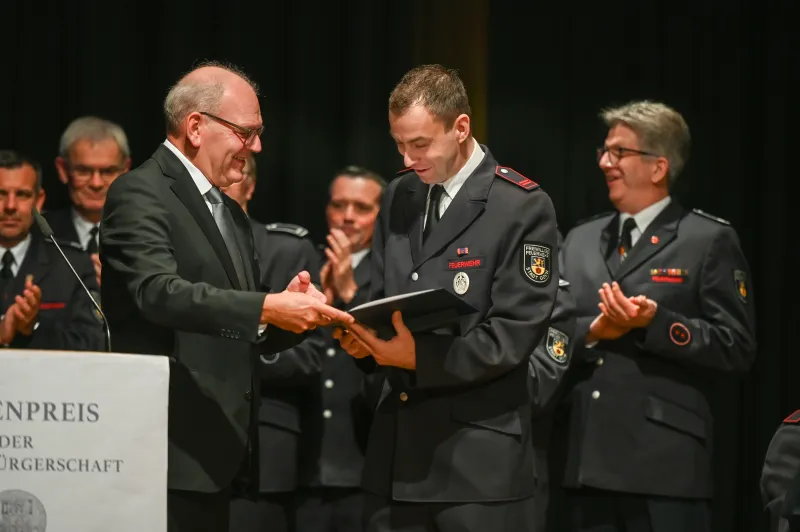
{"points": [[711, 217], [404, 171], [512, 176], [65, 243], [292, 229], [593, 217], [794, 418]]}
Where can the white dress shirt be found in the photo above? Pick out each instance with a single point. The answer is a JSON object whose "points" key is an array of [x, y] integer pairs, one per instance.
{"points": [[453, 184], [83, 228], [643, 218], [18, 252], [357, 257]]}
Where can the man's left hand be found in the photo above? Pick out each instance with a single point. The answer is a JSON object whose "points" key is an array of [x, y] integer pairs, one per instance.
{"points": [[400, 351], [26, 307], [632, 312], [302, 283]]}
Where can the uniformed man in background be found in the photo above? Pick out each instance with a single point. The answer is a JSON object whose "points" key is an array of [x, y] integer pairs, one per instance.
{"points": [[339, 401]]}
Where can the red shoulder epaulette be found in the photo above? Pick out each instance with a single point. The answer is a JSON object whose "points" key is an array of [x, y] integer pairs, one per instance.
{"points": [[512, 176], [405, 171], [794, 418]]}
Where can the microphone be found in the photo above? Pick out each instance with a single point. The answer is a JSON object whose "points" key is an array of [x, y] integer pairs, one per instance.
{"points": [[48, 233]]}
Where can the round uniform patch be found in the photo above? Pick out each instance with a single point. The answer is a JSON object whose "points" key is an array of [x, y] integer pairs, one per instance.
{"points": [[21, 511], [679, 334], [461, 283]]}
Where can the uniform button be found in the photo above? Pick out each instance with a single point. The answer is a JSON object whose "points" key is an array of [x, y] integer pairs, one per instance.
{"points": [[403, 396], [248, 395], [327, 414], [599, 362], [414, 276], [595, 394], [329, 384], [330, 352]]}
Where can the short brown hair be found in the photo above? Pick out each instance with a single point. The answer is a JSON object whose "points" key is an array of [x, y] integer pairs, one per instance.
{"points": [[660, 129], [436, 88]]}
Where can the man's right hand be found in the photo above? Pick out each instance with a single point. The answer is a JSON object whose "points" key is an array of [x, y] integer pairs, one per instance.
{"points": [[299, 312]]}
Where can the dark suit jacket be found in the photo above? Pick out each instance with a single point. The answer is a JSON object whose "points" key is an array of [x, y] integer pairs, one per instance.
{"points": [[67, 319], [63, 227], [636, 414], [338, 408], [459, 427], [169, 288], [285, 376]]}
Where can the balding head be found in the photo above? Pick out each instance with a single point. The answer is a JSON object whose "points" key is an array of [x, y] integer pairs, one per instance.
{"points": [[214, 119], [202, 89]]}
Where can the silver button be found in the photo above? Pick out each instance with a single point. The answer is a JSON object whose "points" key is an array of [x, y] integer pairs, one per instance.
{"points": [[327, 414], [414, 276], [329, 384], [599, 362], [503, 170], [330, 352], [595, 394]]}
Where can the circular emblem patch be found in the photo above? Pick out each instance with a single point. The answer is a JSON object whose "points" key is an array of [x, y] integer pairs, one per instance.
{"points": [[461, 283], [679, 334]]}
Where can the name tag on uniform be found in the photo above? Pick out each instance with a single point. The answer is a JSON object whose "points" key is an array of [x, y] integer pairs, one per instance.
{"points": [[465, 264], [669, 275]]}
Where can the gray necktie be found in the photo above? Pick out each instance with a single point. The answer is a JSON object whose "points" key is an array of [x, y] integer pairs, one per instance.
{"points": [[226, 227]]}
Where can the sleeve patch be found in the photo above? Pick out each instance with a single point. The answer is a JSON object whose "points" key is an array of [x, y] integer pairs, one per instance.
{"points": [[557, 343], [535, 266], [512, 176]]}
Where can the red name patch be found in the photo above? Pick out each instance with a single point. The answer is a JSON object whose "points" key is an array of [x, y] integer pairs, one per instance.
{"points": [[464, 264], [666, 279], [50, 306]]}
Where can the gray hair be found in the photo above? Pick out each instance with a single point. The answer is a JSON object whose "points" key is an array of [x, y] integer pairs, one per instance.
{"points": [[186, 97], [661, 130], [95, 130]]}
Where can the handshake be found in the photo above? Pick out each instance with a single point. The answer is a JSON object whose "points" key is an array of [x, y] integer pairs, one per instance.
{"points": [[301, 307]]}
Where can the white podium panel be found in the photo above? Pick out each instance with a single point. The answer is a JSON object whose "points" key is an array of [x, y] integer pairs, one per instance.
{"points": [[83, 441]]}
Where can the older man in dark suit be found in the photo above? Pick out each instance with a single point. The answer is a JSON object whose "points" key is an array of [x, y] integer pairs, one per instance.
{"points": [[180, 278]]}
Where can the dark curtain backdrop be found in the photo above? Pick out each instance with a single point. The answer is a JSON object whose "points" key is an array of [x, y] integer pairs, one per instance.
{"points": [[537, 78], [731, 70]]}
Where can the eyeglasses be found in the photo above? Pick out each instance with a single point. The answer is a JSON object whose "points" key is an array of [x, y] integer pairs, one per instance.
{"points": [[247, 134], [615, 153], [82, 172]]}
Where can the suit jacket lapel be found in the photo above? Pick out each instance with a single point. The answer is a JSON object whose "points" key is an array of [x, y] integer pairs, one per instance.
{"points": [[463, 210], [656, 237], [415, 204], [187, 192]]}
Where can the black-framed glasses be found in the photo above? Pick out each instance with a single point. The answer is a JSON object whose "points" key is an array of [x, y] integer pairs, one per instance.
{"points": [[247, 134], [82, 172], [615, 153]]}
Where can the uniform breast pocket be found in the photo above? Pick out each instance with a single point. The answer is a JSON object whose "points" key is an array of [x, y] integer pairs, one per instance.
{"points": [[469, 277]]}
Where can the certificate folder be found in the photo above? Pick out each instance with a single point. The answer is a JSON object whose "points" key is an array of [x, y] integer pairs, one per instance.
{"points": [[422, 311]]}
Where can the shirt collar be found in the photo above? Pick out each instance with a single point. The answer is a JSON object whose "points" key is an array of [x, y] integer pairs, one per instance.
{"points": [[200, 180], [19, 250], [82, 226], [646, 216], [453, 184], [357, 256]]}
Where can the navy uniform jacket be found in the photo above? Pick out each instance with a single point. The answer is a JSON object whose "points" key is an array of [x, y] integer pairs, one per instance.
{"points": [[62, 225], [458, 428], [67, 318], [338, 409], [636, 411], [283, 251], [781, 468]]}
